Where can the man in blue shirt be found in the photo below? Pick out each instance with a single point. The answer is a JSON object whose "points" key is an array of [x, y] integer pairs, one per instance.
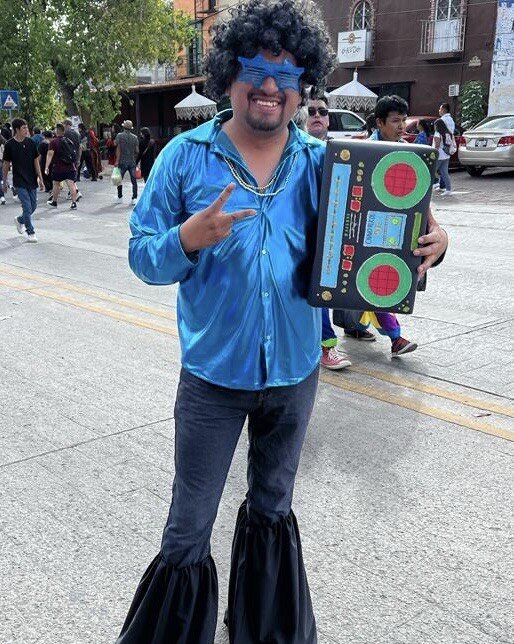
{"points": [[230, 212]]}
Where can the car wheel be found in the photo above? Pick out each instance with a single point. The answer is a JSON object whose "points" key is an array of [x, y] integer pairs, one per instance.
{"points": [[475, 170]]}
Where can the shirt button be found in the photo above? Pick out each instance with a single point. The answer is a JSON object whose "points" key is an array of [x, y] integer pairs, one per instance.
{"points": [[264, 251], [268, 337], [265, 294]]}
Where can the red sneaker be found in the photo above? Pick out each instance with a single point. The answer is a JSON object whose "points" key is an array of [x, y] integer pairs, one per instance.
{"points": [[401, 346], [333, 359]]}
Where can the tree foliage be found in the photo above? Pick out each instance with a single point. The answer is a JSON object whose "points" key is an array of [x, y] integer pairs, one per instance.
{"points": [[78, 54]]}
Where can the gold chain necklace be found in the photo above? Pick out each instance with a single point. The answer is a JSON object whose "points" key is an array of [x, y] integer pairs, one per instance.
{"points": [[259, 191]]}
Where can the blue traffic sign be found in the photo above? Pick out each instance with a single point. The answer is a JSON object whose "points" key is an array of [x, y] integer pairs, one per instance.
{"points": [[9, 99]]}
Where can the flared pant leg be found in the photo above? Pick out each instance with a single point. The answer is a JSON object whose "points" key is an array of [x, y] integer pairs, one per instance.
{"points": [[177, 599], [269, 599]]}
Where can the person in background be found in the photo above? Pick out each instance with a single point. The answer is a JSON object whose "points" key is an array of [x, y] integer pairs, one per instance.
{"points": [[445, 114], [2, 195], [442, 141], [85, 157], [20, 151], [424, 132], [127, 151], [110, 144], [71, 133], [37, 137], [43, 151], [63, 167], [96, 157], [317, 126], [391, 118], [147, 153]]}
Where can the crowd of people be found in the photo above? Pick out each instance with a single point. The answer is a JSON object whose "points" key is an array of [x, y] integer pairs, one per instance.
{"points": [[53, 159]]}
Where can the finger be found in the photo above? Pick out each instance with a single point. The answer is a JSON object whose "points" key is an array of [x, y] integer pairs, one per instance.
{"points": [[241, 214], [423, 268], [217, 205], [424, 251]]}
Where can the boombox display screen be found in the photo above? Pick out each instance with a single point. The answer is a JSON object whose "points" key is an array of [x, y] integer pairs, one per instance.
{"points": [[373, 207]]}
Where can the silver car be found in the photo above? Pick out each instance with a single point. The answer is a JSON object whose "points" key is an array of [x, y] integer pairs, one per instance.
{"points": [[489, 144]]}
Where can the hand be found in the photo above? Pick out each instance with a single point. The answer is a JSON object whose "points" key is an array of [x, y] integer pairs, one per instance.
{"points": [[40, 184], [47, 171], [211, 225], [435, 242]]}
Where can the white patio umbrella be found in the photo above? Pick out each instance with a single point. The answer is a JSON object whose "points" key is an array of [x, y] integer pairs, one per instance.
{"points": [[352, 96], [195, 106]]}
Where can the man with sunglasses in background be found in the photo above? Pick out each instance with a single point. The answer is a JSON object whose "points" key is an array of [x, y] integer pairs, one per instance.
{"points": [[317, 125], [230, 212]]}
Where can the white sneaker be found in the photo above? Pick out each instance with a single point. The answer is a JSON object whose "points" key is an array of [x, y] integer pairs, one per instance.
{"points": [[32, 239], [133, 201], [79, 195], [436, 187], [2, 201], [19, 227], [15, 198], [446, 193]]}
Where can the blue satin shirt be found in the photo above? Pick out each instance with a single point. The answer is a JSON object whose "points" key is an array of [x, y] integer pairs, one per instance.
{"points": [[243, 317]]}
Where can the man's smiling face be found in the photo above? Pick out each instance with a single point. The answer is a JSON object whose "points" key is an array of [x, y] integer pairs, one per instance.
{"points": [[266, 108]]}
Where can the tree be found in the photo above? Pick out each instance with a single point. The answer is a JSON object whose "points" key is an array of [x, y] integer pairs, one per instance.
{"points": [[83, 52], [472, 103]]}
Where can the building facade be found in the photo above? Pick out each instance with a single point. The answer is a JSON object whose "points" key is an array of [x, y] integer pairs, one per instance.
{"points": [[423, 50]]}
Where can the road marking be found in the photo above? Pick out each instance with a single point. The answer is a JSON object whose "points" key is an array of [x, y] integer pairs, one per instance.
{"points": [[464, 399], [365, 390], [419, 407], [85, 291], [115, 315]]}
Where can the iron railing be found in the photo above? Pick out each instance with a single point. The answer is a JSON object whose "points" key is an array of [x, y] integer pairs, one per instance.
{"points": [[443, 36]]}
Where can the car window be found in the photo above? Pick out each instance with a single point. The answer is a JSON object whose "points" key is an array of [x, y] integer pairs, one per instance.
{"points": [[412, 128], [496, 123], [344, 122]]}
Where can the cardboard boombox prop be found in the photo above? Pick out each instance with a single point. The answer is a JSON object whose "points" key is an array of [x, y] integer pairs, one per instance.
{"points": [[373, 207]]}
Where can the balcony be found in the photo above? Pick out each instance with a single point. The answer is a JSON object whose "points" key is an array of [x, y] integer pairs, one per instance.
{"points": [[442, 39]]}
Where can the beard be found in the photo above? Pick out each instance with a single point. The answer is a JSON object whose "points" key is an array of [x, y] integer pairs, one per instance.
{"points": [[263, 125]]}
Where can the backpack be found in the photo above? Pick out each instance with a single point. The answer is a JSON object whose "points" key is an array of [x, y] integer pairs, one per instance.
{"points": [[66, 152], [449, 147]]}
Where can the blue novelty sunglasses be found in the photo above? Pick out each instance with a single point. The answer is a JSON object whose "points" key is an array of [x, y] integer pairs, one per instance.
{"points": [[255, 71]]}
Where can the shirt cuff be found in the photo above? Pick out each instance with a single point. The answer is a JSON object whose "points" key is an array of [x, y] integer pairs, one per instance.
{"points": [[190, 258]]}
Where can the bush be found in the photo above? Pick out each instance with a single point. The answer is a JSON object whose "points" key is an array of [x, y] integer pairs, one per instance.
{"points": [[473, 103]]}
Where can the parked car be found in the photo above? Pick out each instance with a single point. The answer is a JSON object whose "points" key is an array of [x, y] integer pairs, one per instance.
{"points": [[412, 132], [488, 144], [343, 124]]}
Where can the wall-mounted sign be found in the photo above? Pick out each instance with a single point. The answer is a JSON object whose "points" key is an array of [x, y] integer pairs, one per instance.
{"points": [[475, 61], [453, 90], [501, 91], [354, 46]]}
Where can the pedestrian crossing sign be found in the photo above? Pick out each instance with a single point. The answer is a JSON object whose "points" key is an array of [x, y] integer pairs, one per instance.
{"points": [[8, 99]]}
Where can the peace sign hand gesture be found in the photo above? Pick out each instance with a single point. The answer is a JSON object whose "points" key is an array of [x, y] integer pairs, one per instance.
{"points": [[211, 225]]}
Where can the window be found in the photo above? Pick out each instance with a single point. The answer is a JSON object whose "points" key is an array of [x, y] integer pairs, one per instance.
{"points": [[362, 16], [447, 9], [194, 53], [345, 122]]}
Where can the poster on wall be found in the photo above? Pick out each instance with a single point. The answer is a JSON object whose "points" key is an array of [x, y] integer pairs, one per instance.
{"points": [[501, 92]]}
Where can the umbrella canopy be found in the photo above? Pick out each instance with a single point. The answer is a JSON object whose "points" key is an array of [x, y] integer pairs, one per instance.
{"points": [[195, 106], [352, 96]]}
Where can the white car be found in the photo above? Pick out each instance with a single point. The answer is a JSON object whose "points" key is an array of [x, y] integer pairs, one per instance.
{"points": [[343, 124], [488, 144]]}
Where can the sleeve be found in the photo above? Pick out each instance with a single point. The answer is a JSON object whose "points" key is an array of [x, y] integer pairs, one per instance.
{"points": [[156, 255], [7, 152]]}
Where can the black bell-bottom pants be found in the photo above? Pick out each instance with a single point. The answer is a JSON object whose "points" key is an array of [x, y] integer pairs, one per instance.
{"points": [[176, 601]]}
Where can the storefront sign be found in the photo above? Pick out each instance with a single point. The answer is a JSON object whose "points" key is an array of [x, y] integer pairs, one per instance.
{"points": [[352, 46]]}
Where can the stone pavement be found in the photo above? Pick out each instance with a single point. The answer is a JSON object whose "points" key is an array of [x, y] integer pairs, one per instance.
{"points": [[404, 494]]}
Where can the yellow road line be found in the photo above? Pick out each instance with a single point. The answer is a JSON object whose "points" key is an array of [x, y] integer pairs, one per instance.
{"points": [[421, 408], [115, 315], [85, 291], [332, 379], [464, 399]]}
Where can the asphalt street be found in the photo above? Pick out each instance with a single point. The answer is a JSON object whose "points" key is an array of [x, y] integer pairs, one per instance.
{"points": [[405, 491]]}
